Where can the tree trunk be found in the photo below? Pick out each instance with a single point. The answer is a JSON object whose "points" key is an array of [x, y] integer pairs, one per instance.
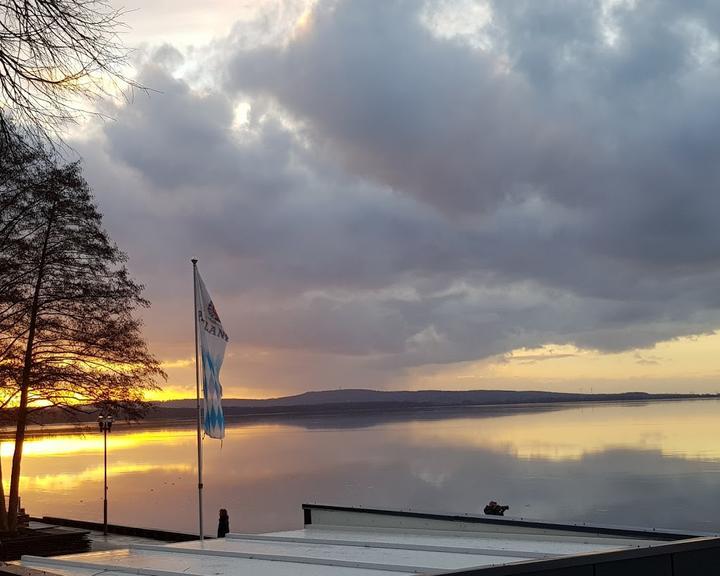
{"points": [[3, 509], [17, 455], [22, 411]]}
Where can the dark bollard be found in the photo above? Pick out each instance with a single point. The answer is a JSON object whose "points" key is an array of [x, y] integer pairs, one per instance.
{"points": [[223, 523]]}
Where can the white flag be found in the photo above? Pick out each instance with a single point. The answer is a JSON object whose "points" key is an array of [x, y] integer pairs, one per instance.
{"points": [[213, 340]]}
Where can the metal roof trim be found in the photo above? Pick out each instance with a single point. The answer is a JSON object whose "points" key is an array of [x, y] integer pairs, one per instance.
{"points": [[580, 528]]}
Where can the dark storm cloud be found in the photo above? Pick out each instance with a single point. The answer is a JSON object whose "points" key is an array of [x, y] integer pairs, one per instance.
{"points": [[412, 198]]}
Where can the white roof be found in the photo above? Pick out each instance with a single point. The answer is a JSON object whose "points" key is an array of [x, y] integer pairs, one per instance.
{"points": [[348, 543]]}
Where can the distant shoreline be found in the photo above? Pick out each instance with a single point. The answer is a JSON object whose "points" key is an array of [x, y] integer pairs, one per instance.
{"points": [[184, 417]]}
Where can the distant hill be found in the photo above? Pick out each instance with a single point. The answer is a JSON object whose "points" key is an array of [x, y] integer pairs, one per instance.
{"points": [[360, 396]]}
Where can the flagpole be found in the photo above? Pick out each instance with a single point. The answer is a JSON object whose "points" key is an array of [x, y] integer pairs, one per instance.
{"points": [[199, 414]]}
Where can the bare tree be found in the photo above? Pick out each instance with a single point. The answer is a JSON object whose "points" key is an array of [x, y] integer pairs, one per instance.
{"points": [[55, 55], [20, 171], [71, 340]]}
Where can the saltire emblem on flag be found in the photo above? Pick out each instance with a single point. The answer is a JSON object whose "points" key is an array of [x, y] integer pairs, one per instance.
{"points": [[213, 340]]}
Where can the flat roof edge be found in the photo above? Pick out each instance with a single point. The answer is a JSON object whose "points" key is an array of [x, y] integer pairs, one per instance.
{"points": [[580, 528], [593, 559]]}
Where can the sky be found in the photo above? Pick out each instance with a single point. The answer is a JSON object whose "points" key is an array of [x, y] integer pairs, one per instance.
{"points": [[423, 194]]}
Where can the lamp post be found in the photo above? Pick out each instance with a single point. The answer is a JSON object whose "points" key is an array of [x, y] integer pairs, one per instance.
{"points": [[105, 424]]}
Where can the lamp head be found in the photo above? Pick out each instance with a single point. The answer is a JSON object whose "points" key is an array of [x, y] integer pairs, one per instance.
{"points": [[105, 423]]}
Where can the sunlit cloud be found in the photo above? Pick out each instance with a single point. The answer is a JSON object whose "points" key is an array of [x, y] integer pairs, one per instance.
{"points": [[180, 363]]}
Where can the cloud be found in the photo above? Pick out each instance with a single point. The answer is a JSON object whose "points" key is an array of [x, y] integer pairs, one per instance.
{"points": [[382, 96], [390, 189]]}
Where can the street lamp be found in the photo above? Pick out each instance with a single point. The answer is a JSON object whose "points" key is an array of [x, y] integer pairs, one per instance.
{"points": [[105, 424]]}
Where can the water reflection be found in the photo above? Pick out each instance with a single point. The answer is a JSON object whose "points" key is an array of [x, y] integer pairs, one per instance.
{"points": [[687, 429], [656, 464], [89, 443]]}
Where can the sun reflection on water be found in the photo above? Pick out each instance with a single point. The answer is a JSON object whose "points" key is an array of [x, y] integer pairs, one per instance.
{"points": [[69, 444], [69, 481]]}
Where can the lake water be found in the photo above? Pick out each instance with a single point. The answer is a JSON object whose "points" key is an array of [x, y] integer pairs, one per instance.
{"points": [[654, 465]]}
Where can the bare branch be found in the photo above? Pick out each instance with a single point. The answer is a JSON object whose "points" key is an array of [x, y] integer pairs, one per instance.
{"points": [[56, 58]]}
